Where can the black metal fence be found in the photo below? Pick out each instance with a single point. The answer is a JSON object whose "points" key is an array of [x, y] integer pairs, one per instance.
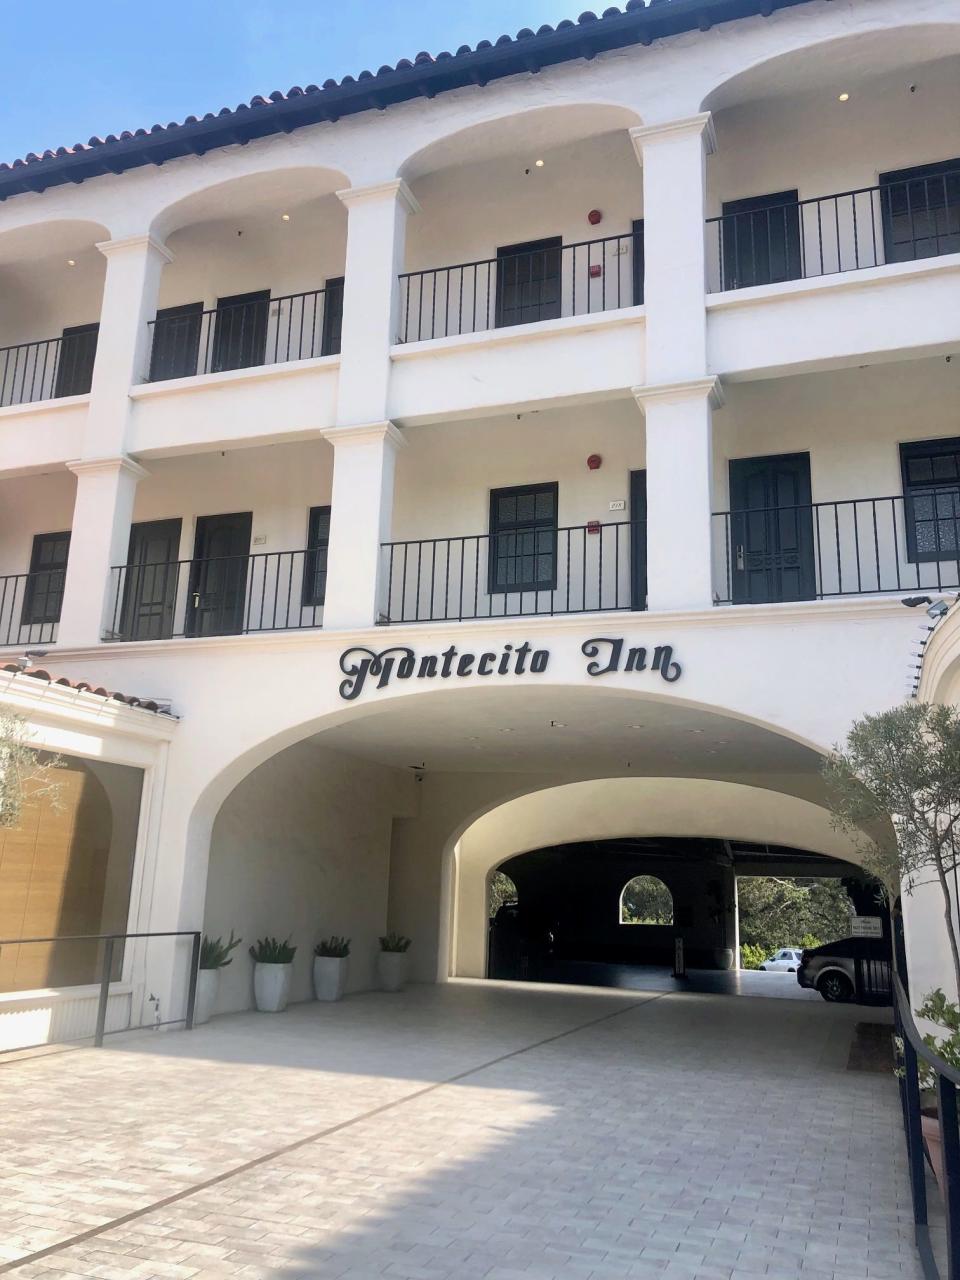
{"points": [[522, 287], [898, 221], [49, 369], [931, 1128], [71, 953], [581, 569], [224, 595], [186, 341], [30, 606], [859, 546]]}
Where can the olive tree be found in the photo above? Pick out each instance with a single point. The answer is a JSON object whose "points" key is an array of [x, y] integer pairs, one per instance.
{"points": [[895, 790], [25, 773]]}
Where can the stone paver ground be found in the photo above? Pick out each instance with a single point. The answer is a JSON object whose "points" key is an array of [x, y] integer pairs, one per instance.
{"points": [[463, 1131]]}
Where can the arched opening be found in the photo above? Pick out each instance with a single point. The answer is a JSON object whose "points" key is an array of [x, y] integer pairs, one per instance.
{"points": [[51, 285], [646, 900], [503, 237], [256, 276], [836, 157]]}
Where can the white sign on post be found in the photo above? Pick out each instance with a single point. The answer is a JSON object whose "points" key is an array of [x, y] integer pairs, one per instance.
{"points": [[867, 927]]}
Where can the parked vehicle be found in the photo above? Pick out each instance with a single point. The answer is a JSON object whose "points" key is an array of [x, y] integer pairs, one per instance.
{"points": [[849, 969], [786, 960]]}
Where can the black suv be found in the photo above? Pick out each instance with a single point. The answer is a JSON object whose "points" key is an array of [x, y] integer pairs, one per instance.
{"points": [[850, 969]]}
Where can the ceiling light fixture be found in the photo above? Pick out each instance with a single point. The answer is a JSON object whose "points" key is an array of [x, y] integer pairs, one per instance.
{"points": [[538, 163], [843, 97], [557, 724], [284, 217], [71, 262]]}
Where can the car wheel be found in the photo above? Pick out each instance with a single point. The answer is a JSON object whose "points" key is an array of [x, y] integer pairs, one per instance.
{"points": [[763, 968], [835, 987], [791, 971]]}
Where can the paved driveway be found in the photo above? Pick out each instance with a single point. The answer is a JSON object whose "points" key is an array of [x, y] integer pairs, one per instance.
{"points": [[469, 1130]]}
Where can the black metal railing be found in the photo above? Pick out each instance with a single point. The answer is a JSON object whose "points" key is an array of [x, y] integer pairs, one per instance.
{"points": [[188, 340], [894, 222], [581, 569], [30, 606], [223, 595], [932, 1132], [47, 370], [74, 960], [522, 288], [860, 546]]}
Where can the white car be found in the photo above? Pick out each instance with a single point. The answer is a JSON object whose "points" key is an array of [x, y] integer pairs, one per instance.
{"points": [[786, 960]]}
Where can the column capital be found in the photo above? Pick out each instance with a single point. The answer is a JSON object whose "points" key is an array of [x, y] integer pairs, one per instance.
{"points": [[107, 466], [700, 125], [395, 187], [365, 433], [694, 389], [109, 248]]}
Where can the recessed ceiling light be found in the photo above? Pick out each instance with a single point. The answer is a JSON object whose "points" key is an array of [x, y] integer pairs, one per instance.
{"points": [[557, 724], [843, 97], [506, 731], [538, 163], [71, 262], [636, 726], [284, 217]]}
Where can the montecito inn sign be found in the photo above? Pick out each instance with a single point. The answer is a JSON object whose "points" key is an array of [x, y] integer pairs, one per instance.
{"points": [[605, 654]]}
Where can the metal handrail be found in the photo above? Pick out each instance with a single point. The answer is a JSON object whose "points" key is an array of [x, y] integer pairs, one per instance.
{"points": [[109, 939], [840, 195]]}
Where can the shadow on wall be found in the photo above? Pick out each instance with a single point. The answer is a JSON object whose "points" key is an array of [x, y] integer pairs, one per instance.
{"points": [[301, 849]]}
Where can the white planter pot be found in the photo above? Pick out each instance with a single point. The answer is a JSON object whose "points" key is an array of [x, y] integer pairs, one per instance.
{"points": [[392, 968], [208, 985], [330, 976], [271, 986]]}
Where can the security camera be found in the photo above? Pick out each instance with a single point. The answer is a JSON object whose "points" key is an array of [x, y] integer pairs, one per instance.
{"points": [[937, 609]]}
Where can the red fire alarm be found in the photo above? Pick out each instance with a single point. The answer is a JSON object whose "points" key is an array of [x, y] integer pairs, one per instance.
{"points": [[594, 461], [596, 271], [594, 217], [593, 526]]}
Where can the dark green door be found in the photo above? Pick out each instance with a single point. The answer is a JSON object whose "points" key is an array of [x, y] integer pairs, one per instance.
{"points": [[771, 529], [150, 581], [240, 333], [761, 240], [218, 580], [528, 282]]}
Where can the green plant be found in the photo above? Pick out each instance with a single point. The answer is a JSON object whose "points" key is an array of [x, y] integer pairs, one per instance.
{"points": [[333, 946], [394, 942], [937, 1008], [895, 790], [25, 773], [752, 957], [215, 953], [270, 951]]}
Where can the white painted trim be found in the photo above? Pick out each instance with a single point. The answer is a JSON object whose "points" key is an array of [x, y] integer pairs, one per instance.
{"points": [[44, 406], [106, 466], [699, 124], [621, 317], [677, 392], [364, 433], [205, 381], [396, 187], [110, 247], [82, 707], [840, 281]]}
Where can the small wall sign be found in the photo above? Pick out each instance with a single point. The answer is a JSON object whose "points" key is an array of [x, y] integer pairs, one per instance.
{"points": [[606, 654]]}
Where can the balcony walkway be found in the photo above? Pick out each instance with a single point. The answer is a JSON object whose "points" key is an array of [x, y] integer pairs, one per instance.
{"points": [[467, 1130]]}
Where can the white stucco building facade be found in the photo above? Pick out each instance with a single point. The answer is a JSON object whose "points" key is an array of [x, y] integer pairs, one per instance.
{"points": [[524, 446]]}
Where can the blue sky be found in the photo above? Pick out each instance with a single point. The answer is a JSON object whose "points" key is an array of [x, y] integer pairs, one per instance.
{"points": [[85, 67]]}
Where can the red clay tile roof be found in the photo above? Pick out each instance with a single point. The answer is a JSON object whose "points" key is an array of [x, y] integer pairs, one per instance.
{"points": [[425, 76], [37, 673]]}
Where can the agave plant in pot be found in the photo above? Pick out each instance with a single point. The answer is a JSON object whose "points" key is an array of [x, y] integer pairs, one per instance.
{"points": [[330, 963], [214, 956], [272, 973], [393, 962]]}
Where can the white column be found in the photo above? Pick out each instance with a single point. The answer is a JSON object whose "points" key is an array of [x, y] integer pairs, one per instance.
{"points": [[679, 439], [376, 236], [674, 193], [99, 539], [361, 517], [130, 292]]}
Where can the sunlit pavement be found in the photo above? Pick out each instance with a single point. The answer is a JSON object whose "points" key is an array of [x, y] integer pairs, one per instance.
{"points": [[464, 1130]]}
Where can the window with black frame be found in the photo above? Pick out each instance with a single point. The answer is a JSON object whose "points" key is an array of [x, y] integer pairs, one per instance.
{"points": [[43, 597], [523, 538], [315, 561], [931, 499], [921, 211]]}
